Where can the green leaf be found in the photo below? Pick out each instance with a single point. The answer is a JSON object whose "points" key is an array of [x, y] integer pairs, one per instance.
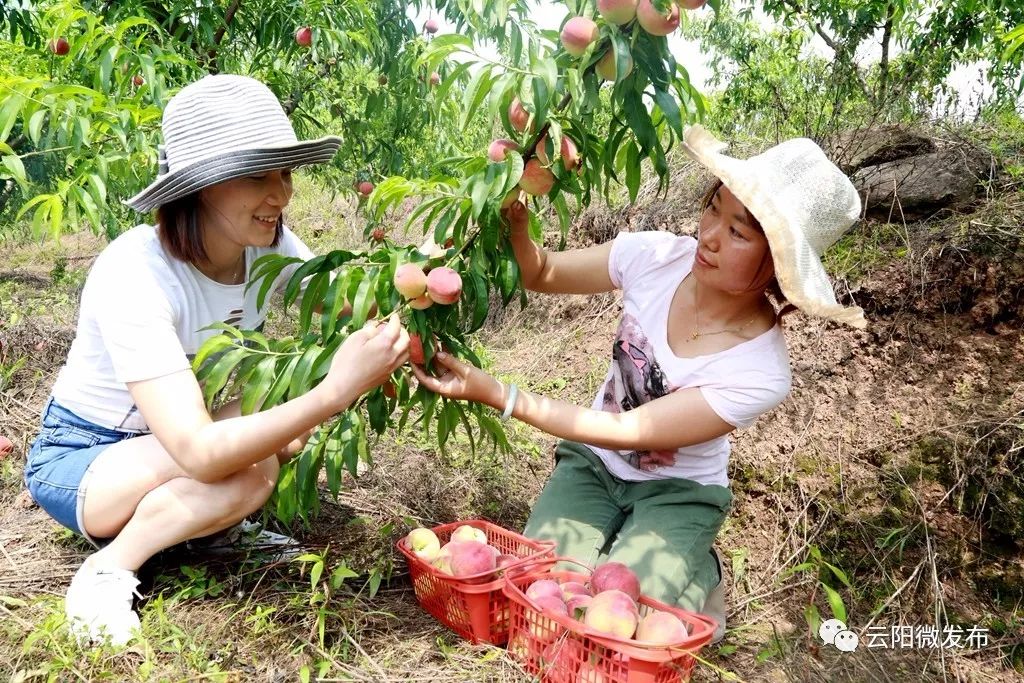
{"points": [[301, 377], [632, 170], [218, 376], [258, 385], [474, 95], [670, 108], [311, 298], [835, 602], [363, 299], [17, 168], [311, 266], [286, 367]]}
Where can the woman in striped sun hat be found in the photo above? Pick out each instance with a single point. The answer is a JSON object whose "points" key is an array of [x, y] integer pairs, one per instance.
{"points": [[128, 455]]}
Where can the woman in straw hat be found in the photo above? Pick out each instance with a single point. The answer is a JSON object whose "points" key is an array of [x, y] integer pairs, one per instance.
{"points": [[641, 475], [128, 455]]}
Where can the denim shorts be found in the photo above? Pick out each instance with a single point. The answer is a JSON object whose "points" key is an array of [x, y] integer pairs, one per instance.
{"points": [[59, 462]]}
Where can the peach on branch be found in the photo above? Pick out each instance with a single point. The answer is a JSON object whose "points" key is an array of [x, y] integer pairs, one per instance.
{"points": [[612, 612], [138, 80], [569, 154], [423, 543], [661, 628], [59, 46], [617, 11], [382, 79], [417, 355], [304, 36], [378, 235], [390, 389], [444, 286], [500, 147], [435, 78], [615, 576], [654, 22], [536, 179], [578, 34], [421, 303], [431, 26], [467, 532], [518, 116], [365, 188], [410, 280], [606, 66]]}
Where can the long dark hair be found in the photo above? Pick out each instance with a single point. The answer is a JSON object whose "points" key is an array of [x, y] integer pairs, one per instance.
{"points": [[783, 307], [180, 233]]}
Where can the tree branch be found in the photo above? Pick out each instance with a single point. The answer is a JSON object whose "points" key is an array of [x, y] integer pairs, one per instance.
{"points": [[883, 65], [229, 16]]}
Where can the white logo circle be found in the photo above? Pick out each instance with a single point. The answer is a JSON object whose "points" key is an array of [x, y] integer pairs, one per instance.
{"points": [[846, 641], [828, 630]]}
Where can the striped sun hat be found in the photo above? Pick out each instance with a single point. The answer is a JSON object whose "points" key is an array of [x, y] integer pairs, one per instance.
{"points": [[223, 127]]}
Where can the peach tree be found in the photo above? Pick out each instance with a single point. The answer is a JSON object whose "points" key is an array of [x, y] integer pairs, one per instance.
{"points": [[439, 135]]}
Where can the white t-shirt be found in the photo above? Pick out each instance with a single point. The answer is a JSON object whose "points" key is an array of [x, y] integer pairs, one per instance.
{"points": [[141, 316], [739, 383]]}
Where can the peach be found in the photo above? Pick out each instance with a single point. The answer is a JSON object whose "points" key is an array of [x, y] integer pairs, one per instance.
{"points": [[365, 188], [544, 588], [417, 355], [378, 235], [421, 303], [138, 80], [469, 557], [469, 533], [571, 588], [382, 79], [654, 22], [6, 447], [505, 560], [59, 46], [578, 34], [617, 11], [617, 576], [661, 628], [444, 286], [542, 626], [612, 612], [304, 36], [410, 280], [423, 543], [435, 78], [518, 116], [569, 154], [431, 26], [536, 179], [606, 66], [580, 601], [499, 148]]}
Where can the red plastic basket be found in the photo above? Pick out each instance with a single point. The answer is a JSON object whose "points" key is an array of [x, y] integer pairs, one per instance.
{"points": [[561, 649], [475, 607]]}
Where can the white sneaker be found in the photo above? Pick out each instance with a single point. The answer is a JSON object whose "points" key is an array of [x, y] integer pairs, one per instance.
{"points": [[98, 605], [714, 605], [246, 537]]}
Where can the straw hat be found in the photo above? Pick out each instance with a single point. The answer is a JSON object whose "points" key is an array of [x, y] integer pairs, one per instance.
{"points": [[223, 127], [803, 202]]}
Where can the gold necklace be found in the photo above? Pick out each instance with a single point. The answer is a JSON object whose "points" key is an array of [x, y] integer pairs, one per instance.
{"points": [[696, 334]]}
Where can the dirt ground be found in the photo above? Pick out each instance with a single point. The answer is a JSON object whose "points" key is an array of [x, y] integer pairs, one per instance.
{"points": [[896, 459]]}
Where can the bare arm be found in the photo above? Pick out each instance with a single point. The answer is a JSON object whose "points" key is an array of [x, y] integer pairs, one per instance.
{"points": [[577, 271], [653, 426], [210, 450]]}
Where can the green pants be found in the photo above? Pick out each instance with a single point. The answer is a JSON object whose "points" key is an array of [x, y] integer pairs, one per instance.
{"points": [[662, 530]]}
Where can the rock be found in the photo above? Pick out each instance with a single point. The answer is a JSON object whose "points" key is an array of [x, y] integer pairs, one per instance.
{"points": [[856, 149], [919, 185]]}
